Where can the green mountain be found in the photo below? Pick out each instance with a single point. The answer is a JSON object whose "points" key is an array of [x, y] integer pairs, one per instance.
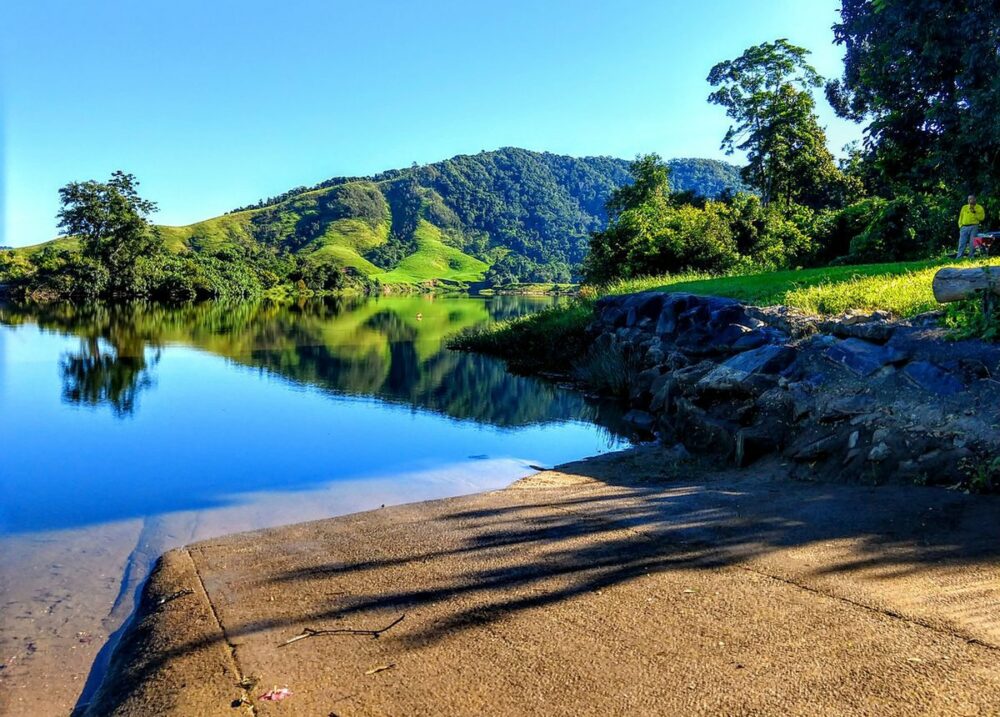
{"points": [[506, 215]]}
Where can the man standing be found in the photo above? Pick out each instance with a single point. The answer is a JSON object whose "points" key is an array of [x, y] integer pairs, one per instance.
{"points": [[968, 226]]}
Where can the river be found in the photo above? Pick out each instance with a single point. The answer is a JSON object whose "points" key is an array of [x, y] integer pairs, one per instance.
{"points": [[128, 430]]}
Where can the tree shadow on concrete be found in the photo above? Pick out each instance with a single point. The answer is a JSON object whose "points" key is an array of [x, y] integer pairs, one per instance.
{"points": [[605, 522], [545, 546]]}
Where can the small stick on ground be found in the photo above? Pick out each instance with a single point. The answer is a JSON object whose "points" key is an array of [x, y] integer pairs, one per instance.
{"points": [[310, 632], [173, 596]]}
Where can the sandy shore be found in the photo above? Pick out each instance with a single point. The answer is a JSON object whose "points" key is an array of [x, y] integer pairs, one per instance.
{"points": [[625, 584]]}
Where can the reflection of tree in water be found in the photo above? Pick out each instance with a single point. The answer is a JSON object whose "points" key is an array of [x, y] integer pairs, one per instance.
{"points": [[111, 366], [96, 375], [385, 347]]}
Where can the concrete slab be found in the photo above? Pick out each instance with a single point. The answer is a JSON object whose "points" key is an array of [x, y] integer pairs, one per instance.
{"points": [[621, 585]]}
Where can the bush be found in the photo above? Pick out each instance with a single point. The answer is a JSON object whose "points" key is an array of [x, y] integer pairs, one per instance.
{"points": [[911, 226], [551, 340], [609, 369], [834, 230], [768, 237]]}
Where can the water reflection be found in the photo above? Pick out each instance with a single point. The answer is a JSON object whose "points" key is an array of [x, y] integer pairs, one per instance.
{"points": [[129, 430], [101, 373], [390, 348]]}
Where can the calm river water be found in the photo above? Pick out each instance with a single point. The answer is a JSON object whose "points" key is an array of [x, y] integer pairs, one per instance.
{"points": [[125, 431]]}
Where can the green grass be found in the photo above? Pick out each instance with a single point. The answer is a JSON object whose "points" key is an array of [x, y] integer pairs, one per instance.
{"points": [[552, 339], [548, 340], [434, 260], [903, 288], [214, 234]]}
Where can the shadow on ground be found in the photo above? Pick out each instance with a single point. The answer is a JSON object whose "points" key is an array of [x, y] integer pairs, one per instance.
{"points": [[926, 555]]}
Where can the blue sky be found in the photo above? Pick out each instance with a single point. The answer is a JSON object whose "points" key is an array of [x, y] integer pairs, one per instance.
{"points": [[216, 104]]}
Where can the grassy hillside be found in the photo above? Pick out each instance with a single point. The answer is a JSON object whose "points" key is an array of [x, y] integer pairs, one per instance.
{"points": [[446, 222], [434, 259]]}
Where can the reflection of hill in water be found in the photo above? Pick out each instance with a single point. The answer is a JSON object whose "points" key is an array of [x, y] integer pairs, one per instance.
{"points": [[389, 347]]}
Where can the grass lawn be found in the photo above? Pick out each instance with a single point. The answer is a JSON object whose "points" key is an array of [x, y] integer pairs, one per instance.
{"points": [[901, 288], [555, 338]]}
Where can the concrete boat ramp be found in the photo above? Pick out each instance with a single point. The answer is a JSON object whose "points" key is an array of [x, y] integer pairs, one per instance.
{"points": [[625, 584]]}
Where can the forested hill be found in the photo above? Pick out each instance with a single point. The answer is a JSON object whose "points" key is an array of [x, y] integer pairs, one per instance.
{"points": [[506, 215]]}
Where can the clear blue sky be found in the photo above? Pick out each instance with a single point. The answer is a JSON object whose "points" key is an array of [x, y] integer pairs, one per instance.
{"points": [[216, 104]]}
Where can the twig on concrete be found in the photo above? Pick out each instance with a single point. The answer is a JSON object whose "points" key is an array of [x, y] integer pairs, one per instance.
{"points": [[173, 596], [310, 632]]}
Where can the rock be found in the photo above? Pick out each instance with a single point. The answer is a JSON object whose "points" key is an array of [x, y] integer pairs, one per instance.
{"points": [[654, 357], [846, 407], [853, 318], [640, 420], [662, 397], [807, 449], [732, 374], [644, 306], [792, 322], [851, 455], [932, 378], [879, 453], [863, 358], [852, 440], [871, 327], [802, 402], [881, 435], [727, 336], [614, 317], [757, 441], [751, 340], [704, 433], [639, 390], [676, 453], [688, 377]]}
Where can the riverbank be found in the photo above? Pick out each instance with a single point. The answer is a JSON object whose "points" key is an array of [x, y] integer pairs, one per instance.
{"points": [[638, 582]]}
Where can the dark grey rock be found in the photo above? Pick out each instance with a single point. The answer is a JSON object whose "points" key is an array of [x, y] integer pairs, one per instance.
{"points": [[751, 340], [933, 378], [810, 448], [644, 306], [757, 441], [730, 374], [655, 357], [642, 420], [863, 358], [879, 453], [846, 407], [704, 433]]}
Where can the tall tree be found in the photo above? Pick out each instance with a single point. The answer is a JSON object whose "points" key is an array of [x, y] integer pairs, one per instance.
{"points": [[110, 219], [767, 93], [926, 75]]}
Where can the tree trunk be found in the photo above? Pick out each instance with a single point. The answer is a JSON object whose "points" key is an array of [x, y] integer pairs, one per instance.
{"points": [[957, 284]]}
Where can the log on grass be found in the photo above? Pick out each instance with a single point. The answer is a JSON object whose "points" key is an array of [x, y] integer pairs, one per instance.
{"points": [[957, 284]]}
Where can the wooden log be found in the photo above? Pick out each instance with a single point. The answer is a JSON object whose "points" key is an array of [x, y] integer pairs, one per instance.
{"points": [[957, 284]]}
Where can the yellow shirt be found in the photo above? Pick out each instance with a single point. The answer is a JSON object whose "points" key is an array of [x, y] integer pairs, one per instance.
{"points": [[971, 215]]}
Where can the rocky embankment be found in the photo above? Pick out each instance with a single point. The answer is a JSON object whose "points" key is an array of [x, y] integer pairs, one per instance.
{"points": [[859, 397]]}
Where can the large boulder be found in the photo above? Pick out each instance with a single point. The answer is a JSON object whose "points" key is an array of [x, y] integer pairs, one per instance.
{"points": [[734, 373], [863, 358], [933, 378]]}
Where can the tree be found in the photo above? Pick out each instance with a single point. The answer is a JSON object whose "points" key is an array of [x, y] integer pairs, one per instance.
{"points": [[767, 92], [652, 231], [110, 221], [925, 74]]}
